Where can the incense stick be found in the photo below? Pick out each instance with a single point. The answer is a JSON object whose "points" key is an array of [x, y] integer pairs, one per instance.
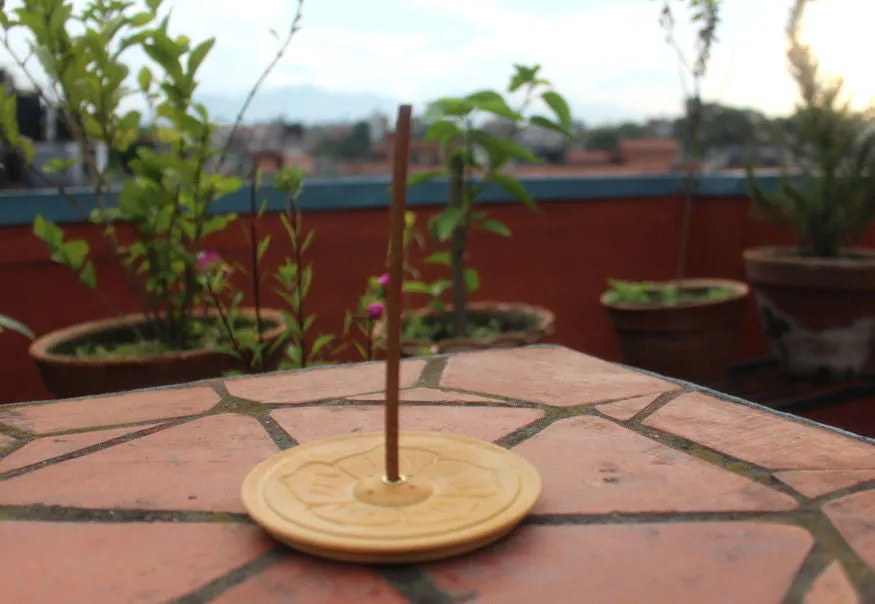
{"points": [[393, 290]]}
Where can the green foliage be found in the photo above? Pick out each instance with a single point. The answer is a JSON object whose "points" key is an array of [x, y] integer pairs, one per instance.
{"points": [[475, 157], [8, 323], [833, 201], [646, 293], [87, 50], [294, 279]]}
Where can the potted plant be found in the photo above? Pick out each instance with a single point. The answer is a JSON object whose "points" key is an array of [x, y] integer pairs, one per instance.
{"points": [[155, 222], [684, 328], [817, 299], [476, 158]]}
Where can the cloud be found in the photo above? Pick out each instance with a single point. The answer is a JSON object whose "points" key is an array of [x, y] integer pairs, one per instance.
{"points": [[595, 51]]}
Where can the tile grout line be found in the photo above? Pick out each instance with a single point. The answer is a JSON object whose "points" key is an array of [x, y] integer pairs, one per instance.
{"points": [[714, 457], [529, 431], [280, 437], [93, 448], [414, 584], [103, 428], [793, 517], [10, 449], [827, 536], [59, 513], [815, 563], [854, 489], [16, 433], [260, 412], [233, 578], [432, 374], [661, 401]]}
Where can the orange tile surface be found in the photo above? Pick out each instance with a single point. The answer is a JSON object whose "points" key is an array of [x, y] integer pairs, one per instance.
{"points": [[109, 411], [703, 500], [317, 384]]}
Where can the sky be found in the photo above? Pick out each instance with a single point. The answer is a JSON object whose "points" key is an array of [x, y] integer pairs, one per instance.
{"points": [[596, 52]]}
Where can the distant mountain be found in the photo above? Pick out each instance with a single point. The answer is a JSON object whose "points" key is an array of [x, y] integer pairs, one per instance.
{"points": [[306, 104], [598, 114], [311, 105]]}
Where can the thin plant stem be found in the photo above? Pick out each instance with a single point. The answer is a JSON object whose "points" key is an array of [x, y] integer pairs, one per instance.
{"points": [[253, 246], [295, 214], [296, 25], [224, 319]]}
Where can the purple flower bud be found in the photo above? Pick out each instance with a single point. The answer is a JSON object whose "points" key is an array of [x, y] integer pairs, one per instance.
{"points": [[384, 280], [375, 310], [207, 259]]}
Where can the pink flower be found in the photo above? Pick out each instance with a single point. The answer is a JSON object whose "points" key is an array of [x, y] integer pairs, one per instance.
{"points": [[375, 310], [384, 283], [207, 259]]}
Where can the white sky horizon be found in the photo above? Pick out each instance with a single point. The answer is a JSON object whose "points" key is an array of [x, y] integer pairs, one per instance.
{"points": [[596, 52]]}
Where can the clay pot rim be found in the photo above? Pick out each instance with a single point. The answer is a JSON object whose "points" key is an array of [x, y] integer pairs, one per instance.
{"points": [[740, 288], [546, 320], [40, 348], [789, 256]]}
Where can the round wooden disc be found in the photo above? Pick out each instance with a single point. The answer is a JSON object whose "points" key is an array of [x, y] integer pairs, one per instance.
{"points": [[328, 498]]}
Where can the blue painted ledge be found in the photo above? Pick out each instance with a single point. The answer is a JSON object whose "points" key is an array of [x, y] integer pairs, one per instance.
{"points": [[355, 193]]}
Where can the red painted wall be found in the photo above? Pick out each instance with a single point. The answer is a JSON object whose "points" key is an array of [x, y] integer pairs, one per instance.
{"points": [[560, 260]]}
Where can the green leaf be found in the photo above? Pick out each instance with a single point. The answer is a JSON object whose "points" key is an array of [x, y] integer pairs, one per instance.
{"points": [[417, 287], [472, 280], [559, 106], [494, 226], [439, 287], [443, 131], [154, 5], [449, 107], [543, 122], [492, 102], [446, 222], [496, 145], [144, 79], [87, 276], [320, 343], [262, 247], [76, 252], [421, 177], [27, 151], [141, 19], [58, 165], [199, 53], [13, 325], [515, 188], [439, 258], [308, 323], [50, 233], [522, 76]]}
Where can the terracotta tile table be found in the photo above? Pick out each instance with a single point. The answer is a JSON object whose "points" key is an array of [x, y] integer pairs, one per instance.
{"points": [[654, 492]]}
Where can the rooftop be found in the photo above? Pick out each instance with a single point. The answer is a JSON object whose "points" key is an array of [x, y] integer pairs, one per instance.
{"points": [[654, 490]]}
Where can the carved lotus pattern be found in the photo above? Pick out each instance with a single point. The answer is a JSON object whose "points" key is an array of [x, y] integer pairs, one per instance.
{"points": [[328, 489]]}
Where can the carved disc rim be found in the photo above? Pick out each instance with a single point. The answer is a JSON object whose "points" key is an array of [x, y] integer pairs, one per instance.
{"points": [[305, 496]]}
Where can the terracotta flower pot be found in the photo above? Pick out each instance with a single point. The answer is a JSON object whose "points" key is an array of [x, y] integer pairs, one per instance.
{"points": [[693, 341], [67, 375], [542, 327], [819, 313]]}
